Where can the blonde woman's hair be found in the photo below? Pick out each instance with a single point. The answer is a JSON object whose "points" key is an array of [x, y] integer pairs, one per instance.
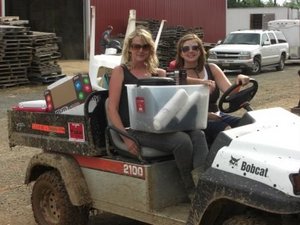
{"points": [[201, 59], [152, 61]]}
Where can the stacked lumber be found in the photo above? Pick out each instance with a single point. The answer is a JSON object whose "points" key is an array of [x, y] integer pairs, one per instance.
{"points": [[149, 24], [27, 56], [166, 50], [15, 55], [44, 67], [13, 21], [170, 35]]}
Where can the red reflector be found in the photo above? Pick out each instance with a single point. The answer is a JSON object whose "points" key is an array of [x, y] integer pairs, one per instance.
{"points": [[295, 178]]}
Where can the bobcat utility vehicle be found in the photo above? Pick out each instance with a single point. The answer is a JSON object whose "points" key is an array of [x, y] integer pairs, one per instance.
{"points": [[252, 174]]}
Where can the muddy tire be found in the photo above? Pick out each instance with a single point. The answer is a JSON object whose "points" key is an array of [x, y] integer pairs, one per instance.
{"points": [[246, 220], [51, 204]]}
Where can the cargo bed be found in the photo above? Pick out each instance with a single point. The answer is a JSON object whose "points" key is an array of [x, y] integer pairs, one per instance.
{"points": [[76, 134]]}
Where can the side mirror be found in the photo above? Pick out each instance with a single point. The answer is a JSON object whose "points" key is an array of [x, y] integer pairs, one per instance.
{"points": [[219, 42]]}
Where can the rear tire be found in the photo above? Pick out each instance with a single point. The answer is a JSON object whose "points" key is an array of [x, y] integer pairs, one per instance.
{"points": [[51, 204], [280, 66]]}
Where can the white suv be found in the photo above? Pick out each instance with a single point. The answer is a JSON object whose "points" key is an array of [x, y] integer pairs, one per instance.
{"points": [[250, 50]]}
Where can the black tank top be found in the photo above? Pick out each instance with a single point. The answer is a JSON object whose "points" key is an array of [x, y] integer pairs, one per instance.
{"points": [[214, 96], [129, 78]]}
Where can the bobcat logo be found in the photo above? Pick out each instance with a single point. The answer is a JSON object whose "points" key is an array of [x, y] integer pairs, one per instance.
{"points": [[234, 161]]}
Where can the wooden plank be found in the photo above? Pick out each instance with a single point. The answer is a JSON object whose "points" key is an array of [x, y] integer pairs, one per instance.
{"points": [[14, 83], [11, 29], [51, 78], [8, 18]]}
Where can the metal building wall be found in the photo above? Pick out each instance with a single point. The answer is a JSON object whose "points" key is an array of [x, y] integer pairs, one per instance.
{"points": [[208, 14]]}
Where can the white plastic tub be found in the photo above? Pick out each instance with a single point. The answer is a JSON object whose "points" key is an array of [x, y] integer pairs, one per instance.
{"points": [[161, 109]]}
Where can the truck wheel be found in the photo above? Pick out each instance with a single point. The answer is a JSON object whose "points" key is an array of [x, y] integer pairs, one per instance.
{"points": [[51, 204], [280, 66], [256, 68], [247, 220]]}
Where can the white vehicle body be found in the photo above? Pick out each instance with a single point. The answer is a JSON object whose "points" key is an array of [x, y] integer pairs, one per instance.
{"points": [[250, 50], [291, 30], [264, 159]]}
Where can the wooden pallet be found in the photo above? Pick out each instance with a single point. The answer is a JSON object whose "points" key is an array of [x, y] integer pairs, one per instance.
{"points": [[45, 49], [13, 83], [6, 29], [8, 18], [13, 76], [46, 79], [42, 38], [44, 70], [26, 54]]}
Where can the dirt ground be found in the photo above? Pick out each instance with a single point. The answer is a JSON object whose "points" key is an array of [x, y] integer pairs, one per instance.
{"points": [[276, 89]]}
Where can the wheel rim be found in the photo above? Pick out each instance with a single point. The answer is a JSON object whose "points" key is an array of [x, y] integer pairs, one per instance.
{"points": [[49, 207], [255, 67]]}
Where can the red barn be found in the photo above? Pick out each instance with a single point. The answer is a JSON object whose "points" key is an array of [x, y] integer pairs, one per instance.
{"points": [[69, 19]]}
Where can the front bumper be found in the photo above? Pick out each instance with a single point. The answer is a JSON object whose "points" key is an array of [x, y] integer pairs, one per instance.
{"points": [[232, 64], [215, 185]]}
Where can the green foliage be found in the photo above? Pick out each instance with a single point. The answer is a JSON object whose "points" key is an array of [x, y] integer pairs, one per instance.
{"points": [[244, 3], [295, 4], [271, 3]]}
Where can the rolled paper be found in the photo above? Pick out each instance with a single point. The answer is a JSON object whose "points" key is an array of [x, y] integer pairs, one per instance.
{"points": [[170, 109], [192, 100]]}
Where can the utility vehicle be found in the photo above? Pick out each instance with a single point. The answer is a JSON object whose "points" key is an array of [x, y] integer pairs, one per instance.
{"points": [[251, 177]]}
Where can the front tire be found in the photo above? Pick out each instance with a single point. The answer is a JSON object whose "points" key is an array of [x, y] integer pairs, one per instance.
{"points": [[51, 204], [249, 220], [256, 68]]}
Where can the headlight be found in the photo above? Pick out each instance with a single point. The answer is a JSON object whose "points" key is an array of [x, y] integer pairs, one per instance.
{"points": [[295, 179], [212, 54], [245, 55]]}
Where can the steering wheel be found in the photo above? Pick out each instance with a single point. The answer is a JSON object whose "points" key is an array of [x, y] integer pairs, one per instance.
{"points": [[239, 99]]}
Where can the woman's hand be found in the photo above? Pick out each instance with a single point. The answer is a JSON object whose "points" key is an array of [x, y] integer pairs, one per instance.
{"points": [[132, 147], [210, 83], [242, 79], [213, 116]]}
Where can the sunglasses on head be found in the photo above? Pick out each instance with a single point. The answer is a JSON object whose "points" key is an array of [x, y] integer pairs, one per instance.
{"points": [[138, 46], [188, 48]]}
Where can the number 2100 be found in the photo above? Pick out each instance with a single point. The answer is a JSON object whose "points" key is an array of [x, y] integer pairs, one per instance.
{"points": [[133, 170]]}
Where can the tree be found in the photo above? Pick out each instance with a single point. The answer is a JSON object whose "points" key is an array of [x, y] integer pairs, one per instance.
{"points": [[244, 3], [261, 3], [294, 4], [271, 3]]}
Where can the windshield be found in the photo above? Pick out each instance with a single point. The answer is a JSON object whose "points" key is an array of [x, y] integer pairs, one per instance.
{"points": [[242, 38]]}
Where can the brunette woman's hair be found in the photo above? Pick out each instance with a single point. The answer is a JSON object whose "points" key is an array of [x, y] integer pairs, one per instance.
{"points": [[201, 59]]}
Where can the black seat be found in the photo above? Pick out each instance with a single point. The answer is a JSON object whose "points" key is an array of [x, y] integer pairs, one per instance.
{"points": [[94, 111], [145, 154]]}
